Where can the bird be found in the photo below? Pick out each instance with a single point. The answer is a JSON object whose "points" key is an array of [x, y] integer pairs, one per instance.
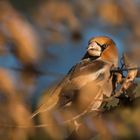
{"points": [[92, 71], [83, 88]]}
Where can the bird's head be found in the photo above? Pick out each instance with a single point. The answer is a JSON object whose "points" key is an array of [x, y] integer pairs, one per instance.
{"points": [[103, 47]]}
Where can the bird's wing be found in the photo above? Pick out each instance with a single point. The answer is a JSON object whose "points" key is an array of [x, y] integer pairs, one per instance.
{"points": [[67, 90], [85, 67], [52, 98], [92, 76], [76, 102]]}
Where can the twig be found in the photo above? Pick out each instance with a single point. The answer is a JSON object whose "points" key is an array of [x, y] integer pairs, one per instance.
{"points": [[38, 72], [124, 69]]}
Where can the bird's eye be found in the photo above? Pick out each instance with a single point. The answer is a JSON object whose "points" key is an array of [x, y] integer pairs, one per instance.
{"points": [[105, 46], [89, 42]]}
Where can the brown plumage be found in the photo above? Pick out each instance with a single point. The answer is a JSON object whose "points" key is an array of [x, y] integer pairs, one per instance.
{"points": [[84, 87]]}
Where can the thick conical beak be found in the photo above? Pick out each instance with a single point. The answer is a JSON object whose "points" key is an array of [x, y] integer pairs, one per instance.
{"points": [[94, 46], [94, 49]]}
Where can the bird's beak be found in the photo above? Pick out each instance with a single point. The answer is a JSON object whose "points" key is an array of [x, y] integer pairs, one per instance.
{"points": [[93, 46]]}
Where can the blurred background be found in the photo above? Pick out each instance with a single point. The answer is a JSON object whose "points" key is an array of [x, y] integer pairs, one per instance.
{"points": [[40, 40]]}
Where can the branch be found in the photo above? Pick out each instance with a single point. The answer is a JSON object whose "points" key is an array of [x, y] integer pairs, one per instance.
{"points": [[124, 69]]}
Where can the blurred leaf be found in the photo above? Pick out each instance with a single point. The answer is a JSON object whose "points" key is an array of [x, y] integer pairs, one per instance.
{"points": [[111, 13], [21, 33]]}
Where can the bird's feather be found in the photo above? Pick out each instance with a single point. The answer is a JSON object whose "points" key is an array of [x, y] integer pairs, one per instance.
{"points": [[89, 76]]}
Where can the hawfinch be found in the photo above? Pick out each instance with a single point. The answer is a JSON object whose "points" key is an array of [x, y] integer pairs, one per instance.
{"points": [[91, 79], [84, 87]]}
